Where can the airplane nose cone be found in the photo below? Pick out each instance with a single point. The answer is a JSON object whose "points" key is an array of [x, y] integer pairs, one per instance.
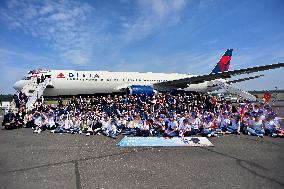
{"points": [[18, 85]]}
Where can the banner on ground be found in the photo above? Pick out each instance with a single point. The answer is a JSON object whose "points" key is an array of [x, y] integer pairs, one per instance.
{"points": [[161, 141]]}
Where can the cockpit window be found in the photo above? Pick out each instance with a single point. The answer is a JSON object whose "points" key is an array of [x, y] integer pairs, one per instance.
{"points": [[27, 78]]}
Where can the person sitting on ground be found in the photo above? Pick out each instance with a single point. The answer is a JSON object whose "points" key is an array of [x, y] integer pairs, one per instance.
{"points": [[233, 127], [257, 128], [10, 120], [247, 122], [172, 129], [39, 122], [208, 129], [195, 123], [51, 120], [28, 120], [62, 124], [130, 127], [143, 129], [20, 117], [272, 126], [96, 126], [75, 122], [225, 121], [158, 127], [110, 130], [84, 124], [185, 128]]}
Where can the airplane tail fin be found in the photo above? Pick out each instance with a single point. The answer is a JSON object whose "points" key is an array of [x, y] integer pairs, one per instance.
{"points": [[224, 63]]}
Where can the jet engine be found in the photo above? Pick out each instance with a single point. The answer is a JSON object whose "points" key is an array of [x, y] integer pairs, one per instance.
{"points": [[141, 89]]}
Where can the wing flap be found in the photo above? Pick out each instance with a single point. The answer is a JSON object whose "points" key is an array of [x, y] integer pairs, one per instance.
{"points": [[244, 79]]}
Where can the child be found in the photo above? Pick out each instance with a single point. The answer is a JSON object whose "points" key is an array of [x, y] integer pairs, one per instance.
{"points": [[257, 127], [234, 125], [208, 130], [185, 128], [195, 123]]}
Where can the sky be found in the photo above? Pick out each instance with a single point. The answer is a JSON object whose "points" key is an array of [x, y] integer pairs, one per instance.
{"points": [[183, 36]]}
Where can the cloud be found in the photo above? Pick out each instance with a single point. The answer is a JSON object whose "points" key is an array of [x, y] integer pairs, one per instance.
{"points": [[63, 24], [179, 62], [151, 16], [8, 57]]}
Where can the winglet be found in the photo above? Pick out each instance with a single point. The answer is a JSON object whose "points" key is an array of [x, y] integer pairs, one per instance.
{"points": [[224, 63]]}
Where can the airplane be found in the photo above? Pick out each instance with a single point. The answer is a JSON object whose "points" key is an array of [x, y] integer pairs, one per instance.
{"points": [[72, 82]]}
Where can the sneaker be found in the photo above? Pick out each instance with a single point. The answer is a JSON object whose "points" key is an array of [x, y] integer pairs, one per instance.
{"points": [[249, 133], [112, 136], [39, 131], [52, 131], [35, 131], [88, 134], [274, 135], [209, 135], [260, 135], [98, 133]]}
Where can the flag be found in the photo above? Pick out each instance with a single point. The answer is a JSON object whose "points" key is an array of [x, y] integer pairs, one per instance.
{"points": [[266, 97]]}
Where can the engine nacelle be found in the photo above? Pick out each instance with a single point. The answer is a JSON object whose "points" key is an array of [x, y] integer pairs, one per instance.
{"points": [[141, 89]]}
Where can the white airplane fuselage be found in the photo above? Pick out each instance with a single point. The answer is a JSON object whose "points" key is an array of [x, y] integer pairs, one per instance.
{"points": [[72, 82]]}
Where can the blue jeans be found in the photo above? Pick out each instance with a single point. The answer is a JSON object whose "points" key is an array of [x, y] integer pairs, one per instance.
{"points": [[59, 130], [194, 131], [206, 132], [255, 132], [232, 129], [270, 131]]}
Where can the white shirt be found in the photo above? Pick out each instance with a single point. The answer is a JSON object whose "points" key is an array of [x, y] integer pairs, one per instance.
{"points": [[225, 122], [195, 123], [257, 125], [38, 120], [208, 125], [269, 124], [51, 121], [173, 124]]}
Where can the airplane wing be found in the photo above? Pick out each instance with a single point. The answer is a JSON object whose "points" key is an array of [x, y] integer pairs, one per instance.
{"points": [[183, 83]]}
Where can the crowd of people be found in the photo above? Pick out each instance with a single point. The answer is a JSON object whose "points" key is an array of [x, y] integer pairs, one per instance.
{"points": [[162, 115]]}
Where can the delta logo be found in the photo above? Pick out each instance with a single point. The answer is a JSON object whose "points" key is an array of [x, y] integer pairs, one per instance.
{"points": [[60, 75]]}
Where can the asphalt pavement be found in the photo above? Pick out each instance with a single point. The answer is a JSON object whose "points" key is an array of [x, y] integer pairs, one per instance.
{"points": [[46, 160]]}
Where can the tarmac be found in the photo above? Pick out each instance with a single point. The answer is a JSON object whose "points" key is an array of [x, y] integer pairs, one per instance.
{"points": [[46, 160]]}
